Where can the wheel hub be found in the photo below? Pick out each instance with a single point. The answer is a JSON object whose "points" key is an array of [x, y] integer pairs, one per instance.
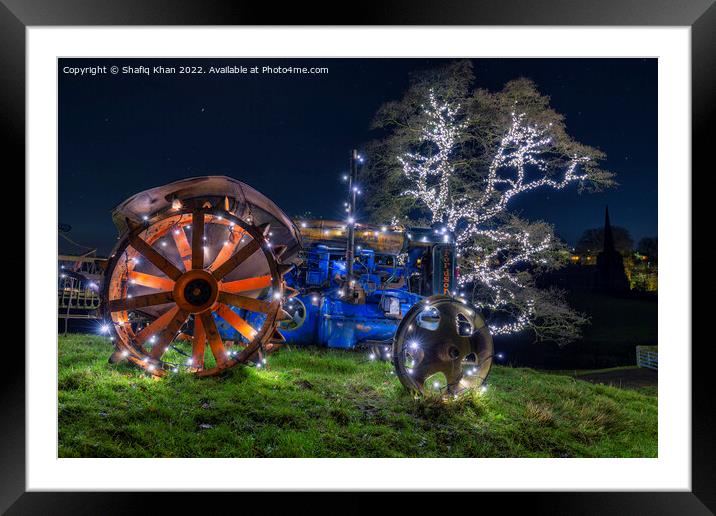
{"points": [[196, 291]]}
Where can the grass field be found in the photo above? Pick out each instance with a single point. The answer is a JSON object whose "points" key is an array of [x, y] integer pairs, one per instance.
{"points": [[324, 403]]}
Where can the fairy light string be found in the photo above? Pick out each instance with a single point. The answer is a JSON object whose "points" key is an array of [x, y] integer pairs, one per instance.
{"points": [[489, 256]]}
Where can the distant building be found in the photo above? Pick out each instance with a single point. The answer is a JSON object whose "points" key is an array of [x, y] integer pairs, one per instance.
{"points": [[606, 269], [610, 263]]}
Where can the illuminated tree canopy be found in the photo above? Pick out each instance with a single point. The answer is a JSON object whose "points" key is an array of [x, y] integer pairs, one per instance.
{"points": [[456, 157]]}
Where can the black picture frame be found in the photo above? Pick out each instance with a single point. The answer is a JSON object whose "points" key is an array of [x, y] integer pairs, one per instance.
{"points": [[17, 15]]}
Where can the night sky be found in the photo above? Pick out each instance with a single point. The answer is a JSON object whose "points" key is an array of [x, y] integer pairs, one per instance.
{"points": [[289, 136]]}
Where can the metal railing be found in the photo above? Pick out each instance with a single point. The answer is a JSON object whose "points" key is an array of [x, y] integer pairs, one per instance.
{"points": [[647, 356]]}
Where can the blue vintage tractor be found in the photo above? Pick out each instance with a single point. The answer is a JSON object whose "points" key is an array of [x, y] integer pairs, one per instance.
{"points": [[393, 269], [209, 273]]}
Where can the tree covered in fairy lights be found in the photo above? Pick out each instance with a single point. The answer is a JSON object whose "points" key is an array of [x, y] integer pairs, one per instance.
{"points": [[455, 157]]}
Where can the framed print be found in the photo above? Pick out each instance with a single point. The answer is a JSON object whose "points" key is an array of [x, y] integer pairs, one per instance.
{"points": [[353, 255]]}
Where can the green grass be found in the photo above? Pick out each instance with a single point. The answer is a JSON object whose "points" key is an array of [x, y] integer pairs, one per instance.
{"points": [[326, 403]]}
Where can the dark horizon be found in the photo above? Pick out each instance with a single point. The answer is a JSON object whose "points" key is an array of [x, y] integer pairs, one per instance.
{"points": [[289, 136]]}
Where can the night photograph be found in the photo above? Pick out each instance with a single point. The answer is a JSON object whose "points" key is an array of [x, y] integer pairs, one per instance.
{"points": [[357, 257]]}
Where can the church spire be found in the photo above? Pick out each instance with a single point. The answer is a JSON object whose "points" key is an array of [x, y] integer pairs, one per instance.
{"points": [[608, 237]]}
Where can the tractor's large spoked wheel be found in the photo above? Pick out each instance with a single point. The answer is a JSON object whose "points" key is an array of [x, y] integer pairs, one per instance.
{"points": [[442, 344], [172, 278]]}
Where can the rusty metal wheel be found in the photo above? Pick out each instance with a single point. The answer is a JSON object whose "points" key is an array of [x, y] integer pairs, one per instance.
{"points": [[178, 273], [442, 344]]}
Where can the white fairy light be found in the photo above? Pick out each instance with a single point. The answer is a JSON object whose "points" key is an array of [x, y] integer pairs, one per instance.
{"points": [[431, 174]]}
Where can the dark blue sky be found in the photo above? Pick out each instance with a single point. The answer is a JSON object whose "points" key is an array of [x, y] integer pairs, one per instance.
{"points": [[289, 135]]}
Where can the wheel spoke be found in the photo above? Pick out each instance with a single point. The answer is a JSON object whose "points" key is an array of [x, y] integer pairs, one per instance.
{"points": [[228, 248], [248, 303], [132, 303], [239, 324], [246, 285], [155, 326], [183, 247], [454, 374], [199, 344], [215, 342], [168, 333], [149, 280], [422, 371], [197, 240], [154, 257], [236, 259]]}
